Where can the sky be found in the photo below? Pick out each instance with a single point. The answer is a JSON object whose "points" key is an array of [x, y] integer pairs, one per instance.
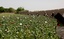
{"points": [[33, 5]]}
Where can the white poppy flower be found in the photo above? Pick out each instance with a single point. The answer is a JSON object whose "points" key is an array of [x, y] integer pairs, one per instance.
{"points": [[5, 29], [0, 30], [33, 16], [30, 20], [45, 21], [22, 30], [3, 16], [17, 17], [20, 23], [17, 32], [2, 36]]}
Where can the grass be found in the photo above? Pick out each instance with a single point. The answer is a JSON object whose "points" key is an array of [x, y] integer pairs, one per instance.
{"points": [[16, 26]]}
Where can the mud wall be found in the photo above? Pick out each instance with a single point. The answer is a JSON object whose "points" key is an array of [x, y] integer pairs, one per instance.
{"points": [[47, 12]]}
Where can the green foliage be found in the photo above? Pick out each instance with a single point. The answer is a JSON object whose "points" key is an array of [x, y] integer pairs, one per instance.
{"points": [[1, 9], [6, 10], [19, 9], [11, 10], [27, 27]]}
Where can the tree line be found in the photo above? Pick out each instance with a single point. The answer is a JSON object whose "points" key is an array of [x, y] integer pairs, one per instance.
{"points": [[11, 10]]}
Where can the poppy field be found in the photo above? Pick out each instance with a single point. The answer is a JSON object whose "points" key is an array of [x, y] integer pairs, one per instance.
{"points": [[16, 26]]}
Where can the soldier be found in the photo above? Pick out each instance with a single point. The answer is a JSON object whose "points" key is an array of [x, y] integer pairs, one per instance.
{"points": [[60, 25]]}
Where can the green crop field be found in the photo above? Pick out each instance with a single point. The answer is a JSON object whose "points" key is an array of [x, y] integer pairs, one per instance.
{"points": [[16, 26]]}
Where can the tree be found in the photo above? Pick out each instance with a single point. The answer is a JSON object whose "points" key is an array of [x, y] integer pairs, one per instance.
{"points": [[11, 10], [1, 9], [6, 10], [19, 9]]}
